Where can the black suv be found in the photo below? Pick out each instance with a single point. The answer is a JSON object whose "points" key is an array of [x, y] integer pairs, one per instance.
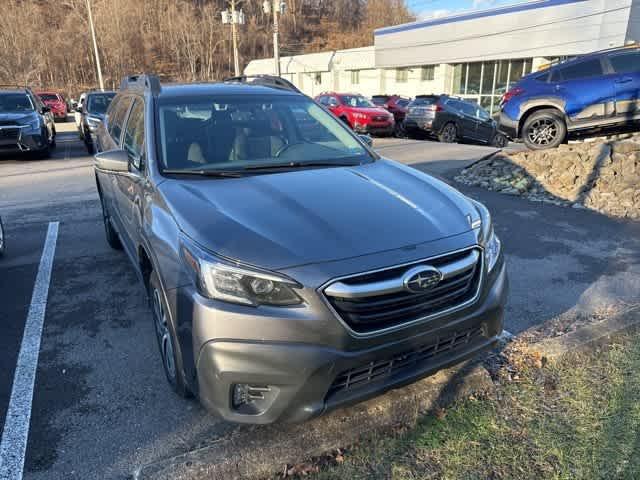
{"points": [[26, 124], [451, 119], [92, 111], [583, 94]]}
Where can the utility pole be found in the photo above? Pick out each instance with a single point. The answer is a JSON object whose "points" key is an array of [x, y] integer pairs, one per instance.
{"points": [[95, 46], [278, 7], [235, 18]]}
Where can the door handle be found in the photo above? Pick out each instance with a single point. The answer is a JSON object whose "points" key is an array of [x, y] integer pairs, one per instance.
{"points": [[624, 80]]}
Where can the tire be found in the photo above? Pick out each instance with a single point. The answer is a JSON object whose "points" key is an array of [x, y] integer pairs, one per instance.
{"points": [[544, 129], [43, 154], [52, 143], [3, 243], [112, 236], [399, 131], [449, 133], [499, 141], [165, 335]]}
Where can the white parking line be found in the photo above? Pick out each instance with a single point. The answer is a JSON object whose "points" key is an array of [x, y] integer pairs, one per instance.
{"points": [[16, 426]]}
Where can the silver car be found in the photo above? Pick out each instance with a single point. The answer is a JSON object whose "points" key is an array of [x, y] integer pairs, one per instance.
{"points": [[290, 269]]}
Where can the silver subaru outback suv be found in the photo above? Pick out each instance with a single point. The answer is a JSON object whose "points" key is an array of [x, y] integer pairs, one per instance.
{"points": [[290, 268]]}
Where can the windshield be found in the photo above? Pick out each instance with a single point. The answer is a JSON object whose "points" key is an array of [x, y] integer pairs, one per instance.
{"points": [[99, 102], [356, 101], [245, 132], [15, 102], [422, 101], [48, 97]]}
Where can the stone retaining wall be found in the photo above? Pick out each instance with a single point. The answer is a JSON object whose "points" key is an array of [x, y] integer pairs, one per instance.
{"points": [[602, 175]]}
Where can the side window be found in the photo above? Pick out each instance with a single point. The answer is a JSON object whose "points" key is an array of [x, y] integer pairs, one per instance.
{"points": [[468, 109], [586, 69], [117, 118], [134, 134], [626, 62]]}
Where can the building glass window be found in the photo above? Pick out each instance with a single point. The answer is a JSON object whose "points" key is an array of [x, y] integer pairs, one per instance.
{"points": [[517, 71], [502, 77], [318, 78], [428, 73], [459, 79], [402, 75], [474, 78], [488, 71], [355, 77]]}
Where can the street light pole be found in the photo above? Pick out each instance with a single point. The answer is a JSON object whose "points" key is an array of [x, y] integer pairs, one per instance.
{"points": [[276, 8], [276, 35], [235, 18], [95, 46]]}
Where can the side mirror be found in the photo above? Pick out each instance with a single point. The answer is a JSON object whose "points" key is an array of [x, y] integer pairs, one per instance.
{"points": [[46, 109], [366, 139], [78, 109], [112, 161]]}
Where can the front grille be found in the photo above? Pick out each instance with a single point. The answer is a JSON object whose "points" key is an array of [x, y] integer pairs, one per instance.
{"points": [[9, 133], [379, 300], [379, 370], [10, 123]]}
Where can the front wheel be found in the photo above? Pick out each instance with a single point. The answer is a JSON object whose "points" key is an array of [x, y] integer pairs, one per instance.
{"points": [[499, 141], [449, 133], [171, 360], [544, 129]]}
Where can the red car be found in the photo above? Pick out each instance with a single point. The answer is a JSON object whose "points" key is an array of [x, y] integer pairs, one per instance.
{"points": [[358, 112], [56, 102], [397, 105]]}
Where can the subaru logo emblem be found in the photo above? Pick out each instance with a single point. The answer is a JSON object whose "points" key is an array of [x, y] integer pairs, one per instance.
{"points": [[421, 279]]}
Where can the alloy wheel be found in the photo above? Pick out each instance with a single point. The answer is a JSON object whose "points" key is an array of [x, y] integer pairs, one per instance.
{"points": [[544, 131], [449, 133], [163, 334]]}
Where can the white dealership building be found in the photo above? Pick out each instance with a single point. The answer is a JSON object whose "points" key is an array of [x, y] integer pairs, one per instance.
{"points": [[476, 55]]}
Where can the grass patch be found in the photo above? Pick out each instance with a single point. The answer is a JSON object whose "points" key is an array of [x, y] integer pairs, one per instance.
{"points": [[577, 419]]}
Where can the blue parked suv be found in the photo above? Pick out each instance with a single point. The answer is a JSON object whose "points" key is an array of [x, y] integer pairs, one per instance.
{"points": [[586, 93]]}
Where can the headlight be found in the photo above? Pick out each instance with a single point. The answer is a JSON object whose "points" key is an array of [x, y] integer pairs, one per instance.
{"points": [[487, 236], [33, 123], [220, 279], [93, 122]]}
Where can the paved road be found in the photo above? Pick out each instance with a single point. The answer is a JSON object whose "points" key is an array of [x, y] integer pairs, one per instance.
{"points": [[101, 404]]}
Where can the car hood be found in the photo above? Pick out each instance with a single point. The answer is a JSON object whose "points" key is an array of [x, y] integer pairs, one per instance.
{"points": [[288, 219], [15, 117]]}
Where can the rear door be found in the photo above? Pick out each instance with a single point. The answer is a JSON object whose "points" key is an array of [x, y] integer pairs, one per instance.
{"points": [[588, 91], [485, 127], [467, 122], [626, 67], [128, 193]]}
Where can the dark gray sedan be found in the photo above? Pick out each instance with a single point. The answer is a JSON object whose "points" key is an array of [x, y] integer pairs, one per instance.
{"points": [[290, 269]]}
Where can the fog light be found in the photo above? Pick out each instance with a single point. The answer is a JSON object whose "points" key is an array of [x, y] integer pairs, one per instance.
{"points": [[251, 399]]}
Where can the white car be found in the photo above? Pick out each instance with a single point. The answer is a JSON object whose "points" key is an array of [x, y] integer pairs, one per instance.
{"points": [[76, 113]]}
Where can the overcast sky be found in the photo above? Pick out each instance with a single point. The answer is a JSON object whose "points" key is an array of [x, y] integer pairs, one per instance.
{"points": [[425, 9]]}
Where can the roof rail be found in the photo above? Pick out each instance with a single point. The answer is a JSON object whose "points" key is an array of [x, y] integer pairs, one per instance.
{"points": [[264, 80], [142, 81]]}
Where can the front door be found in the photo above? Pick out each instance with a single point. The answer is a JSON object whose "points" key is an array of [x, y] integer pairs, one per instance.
{"points": [[626, 66]]}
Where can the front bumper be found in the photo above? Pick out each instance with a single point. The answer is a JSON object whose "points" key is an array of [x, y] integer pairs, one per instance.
{"points": [[508, 126], [302, 376], [21, 139], [374, 129]]}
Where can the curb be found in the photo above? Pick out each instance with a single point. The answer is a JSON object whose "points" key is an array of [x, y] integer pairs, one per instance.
{"points": [[589, 336], [259, 451]]}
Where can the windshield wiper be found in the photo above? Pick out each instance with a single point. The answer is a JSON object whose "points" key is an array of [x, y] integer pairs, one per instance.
{"points": [[204, 173], [281, 166]]}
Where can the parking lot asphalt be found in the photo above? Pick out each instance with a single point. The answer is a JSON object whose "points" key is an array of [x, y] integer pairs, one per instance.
{"points": [[101, 406]]}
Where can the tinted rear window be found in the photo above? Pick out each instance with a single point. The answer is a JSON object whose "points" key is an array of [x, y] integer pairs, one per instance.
{"points": [[421, 101], [626, 62], [402, 103], [99, 102], [586, 69], [48, 97], [379, 100]]}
